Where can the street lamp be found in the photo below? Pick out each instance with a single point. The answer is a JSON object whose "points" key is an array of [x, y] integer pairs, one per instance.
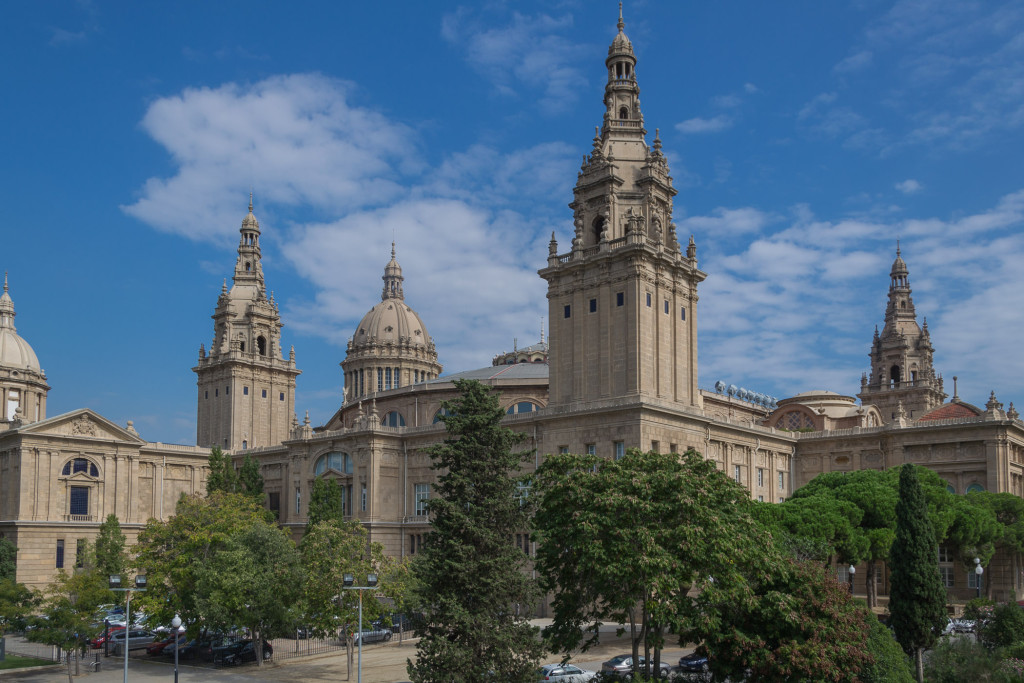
{"points": [[115, 585], [978, 570], [371, 582], [176, 624], [852, 570]]}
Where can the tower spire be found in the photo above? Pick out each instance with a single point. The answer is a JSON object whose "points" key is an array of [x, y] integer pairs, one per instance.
{"points": [[392, 279]]}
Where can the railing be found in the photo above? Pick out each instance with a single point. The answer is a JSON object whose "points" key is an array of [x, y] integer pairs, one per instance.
{"points": [[79, 518]]}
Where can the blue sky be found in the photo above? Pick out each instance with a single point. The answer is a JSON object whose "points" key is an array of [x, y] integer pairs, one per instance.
{"points": [[803, 137]]}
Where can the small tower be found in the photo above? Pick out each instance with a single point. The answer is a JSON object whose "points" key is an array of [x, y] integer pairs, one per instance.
{"points": [[622, 304], [390, 348], [901, 356], [23, 386], [246, 387]]}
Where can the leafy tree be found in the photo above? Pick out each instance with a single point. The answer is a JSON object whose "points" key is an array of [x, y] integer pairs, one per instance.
{"points": [[16, 604], [472, 579], [222, 475], [890, 664], [917, 599], [624, 541], [1009, 512], [816, 528], [325, 503], [8, 560], [173, 553], [251, 582], [249, 478], [1004, 628], [111, 556], [68, 608]]}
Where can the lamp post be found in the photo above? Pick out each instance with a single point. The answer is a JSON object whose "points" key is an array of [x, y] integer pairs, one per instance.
{"points": [[176, 624], [115, 585], [852, 570], [978, 571], [371, 582]]}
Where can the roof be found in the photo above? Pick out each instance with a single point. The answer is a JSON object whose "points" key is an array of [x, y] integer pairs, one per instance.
{"points": [[954, 409], [536, 371]]}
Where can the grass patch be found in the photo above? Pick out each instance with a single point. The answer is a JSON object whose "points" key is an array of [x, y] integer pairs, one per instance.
{"points": [[19, 662]]}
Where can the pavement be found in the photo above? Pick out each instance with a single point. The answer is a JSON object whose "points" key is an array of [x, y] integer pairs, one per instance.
{"points": [[382, 663]]}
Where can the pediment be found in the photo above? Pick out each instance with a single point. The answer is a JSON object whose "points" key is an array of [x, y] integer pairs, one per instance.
{"points": [[82, 424]]}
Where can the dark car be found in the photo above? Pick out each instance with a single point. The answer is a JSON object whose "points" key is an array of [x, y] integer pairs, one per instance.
{"points": [[241, 651], [157, 647], [622, 666], [695, 662]]}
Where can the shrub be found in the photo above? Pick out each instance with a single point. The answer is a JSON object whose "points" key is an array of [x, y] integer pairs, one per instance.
{"points": [[973, 609], [955, 660], [891, 665], [1005, 628]]}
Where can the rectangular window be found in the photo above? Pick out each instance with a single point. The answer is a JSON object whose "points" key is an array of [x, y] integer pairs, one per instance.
{"points": [[737, 472], [387, 378], [760, 499], [206, 394], [362, 501], [422, 495], [80, 553], [673, 448], [620, 450], [656, 446], [591, 449], [59, 564], [227, 390], [782, 499], [620, 298], [593, 305], [380, 379], [782, 481], [648, 299], [563, 449], [568, 310], [245, 391], [946, 574], [523, 490], [298, 500], [412, 544], [274, 503], [945, 555], [282, 396], [682, 313], [666, 306], [349, 500], [760, 477], [216, 393], [264, 393], [79, 500]]}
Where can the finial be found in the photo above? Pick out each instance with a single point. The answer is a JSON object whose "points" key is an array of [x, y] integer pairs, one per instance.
{"points": [[392, 249], [542, 330], [621, 24], [306, 421], [955, 397], [250, 200], [897, 247], [5, 280], [224, 287]]}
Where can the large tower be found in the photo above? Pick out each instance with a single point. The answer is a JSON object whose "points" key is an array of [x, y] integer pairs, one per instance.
{"points": [[390, 347], [246, 388], [901, 357], [622, 304]]}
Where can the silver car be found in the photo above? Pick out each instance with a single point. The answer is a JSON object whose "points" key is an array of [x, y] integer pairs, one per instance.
{"points": [[137, 638], [567, 673], [623, 666]]}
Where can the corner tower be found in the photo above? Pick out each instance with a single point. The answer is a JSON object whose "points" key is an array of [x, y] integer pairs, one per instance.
{"points": [[901, 357], [390, 347], [246, 387], [622, 304]]}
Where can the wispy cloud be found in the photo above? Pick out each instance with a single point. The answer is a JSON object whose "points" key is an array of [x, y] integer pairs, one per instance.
{"points": [[699, 125], [909, 186]]}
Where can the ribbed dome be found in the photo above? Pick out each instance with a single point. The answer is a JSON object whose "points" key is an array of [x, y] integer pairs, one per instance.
{"points": [[620, 45], [391, 321], [15, 352], [899, 266], [250, 222]]}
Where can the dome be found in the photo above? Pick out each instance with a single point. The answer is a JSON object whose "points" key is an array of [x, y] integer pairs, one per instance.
{"points": [[15, 352], [391, 321], [620, 45], [899, 266], [250, 222]]}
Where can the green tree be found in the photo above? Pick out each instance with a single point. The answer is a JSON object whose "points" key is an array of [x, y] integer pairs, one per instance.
{"points": [[173, 553], [16, 604], [222, 476], [1004, 628], [1009, 512], [624, 541], [250, 479], [68, 608], [111, 556], [890, 664], [917, 599], [477, 595], [8, 560], [252, 582], [325, 503]]}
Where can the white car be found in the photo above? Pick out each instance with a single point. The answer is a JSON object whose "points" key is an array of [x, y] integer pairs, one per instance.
{"points": [[567, 673]]}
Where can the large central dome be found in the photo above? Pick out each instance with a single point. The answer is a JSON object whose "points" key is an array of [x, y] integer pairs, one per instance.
{"points": [[391, 347]]}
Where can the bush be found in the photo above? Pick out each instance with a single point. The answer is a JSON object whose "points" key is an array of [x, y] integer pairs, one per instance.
{"points": [[974, 608], [955, 660], [891, 665], [1005, 628]]}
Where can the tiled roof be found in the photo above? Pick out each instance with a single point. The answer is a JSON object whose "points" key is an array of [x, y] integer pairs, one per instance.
{"points": [[518, 371], [950, 410]]}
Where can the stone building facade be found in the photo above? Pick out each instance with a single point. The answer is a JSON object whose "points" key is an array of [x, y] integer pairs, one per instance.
{"points": [[618, 370]]}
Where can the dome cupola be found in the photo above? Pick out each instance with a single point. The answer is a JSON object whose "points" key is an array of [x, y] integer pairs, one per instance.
{"points": [[23, 386]]}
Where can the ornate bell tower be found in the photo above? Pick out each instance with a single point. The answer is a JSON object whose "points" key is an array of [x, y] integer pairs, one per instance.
{"points": [[901, 357], [622, 304], [246, 388]]}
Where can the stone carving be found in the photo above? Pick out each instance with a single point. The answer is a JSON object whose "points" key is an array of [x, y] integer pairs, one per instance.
{"points": [[83, 426]]}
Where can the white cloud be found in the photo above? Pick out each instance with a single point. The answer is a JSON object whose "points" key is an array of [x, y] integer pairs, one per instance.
{"points": [[855, 62], [699, 125], [726, 221], [909, 186]]}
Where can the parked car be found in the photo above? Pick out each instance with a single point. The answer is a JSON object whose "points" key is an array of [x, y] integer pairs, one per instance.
{"points": [[100, 639], [565, 672], [373, 634], [136, 639], [208, 648], [695, 662], [157, 646], [622, 665], [241, 651]]}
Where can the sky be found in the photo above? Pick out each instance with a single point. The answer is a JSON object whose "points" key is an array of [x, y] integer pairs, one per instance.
{"points": [[804, 138]]}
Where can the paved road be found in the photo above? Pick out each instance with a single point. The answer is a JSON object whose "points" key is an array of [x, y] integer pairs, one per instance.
{"points": [[383, 663]]}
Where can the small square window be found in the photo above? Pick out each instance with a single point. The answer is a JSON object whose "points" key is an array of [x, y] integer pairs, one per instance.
{"points": [[591, 449], [620, 298], [245, 391], [673, 448], [567, 311], [593, 305], [563, 449], [264, 393], [648, 299], [656, 446]]}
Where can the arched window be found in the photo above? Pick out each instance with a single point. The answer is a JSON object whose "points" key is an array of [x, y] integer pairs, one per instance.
{"points": [[949, 487], [80, 465], [975, 488], [261, 345], [339, 462], [894, 375], [623, 113], [392, 419], [521, 407], [248, 266], [444, 412], [598, 228]]}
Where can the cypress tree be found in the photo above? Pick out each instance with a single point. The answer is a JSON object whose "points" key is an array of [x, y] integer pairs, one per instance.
{"points": [[471, 573], [917, 601]]}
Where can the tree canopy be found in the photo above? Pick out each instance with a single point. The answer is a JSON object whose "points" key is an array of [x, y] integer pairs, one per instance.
{"points": [[325, 503], [8, 560], [476, 596], [111, 555]]}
